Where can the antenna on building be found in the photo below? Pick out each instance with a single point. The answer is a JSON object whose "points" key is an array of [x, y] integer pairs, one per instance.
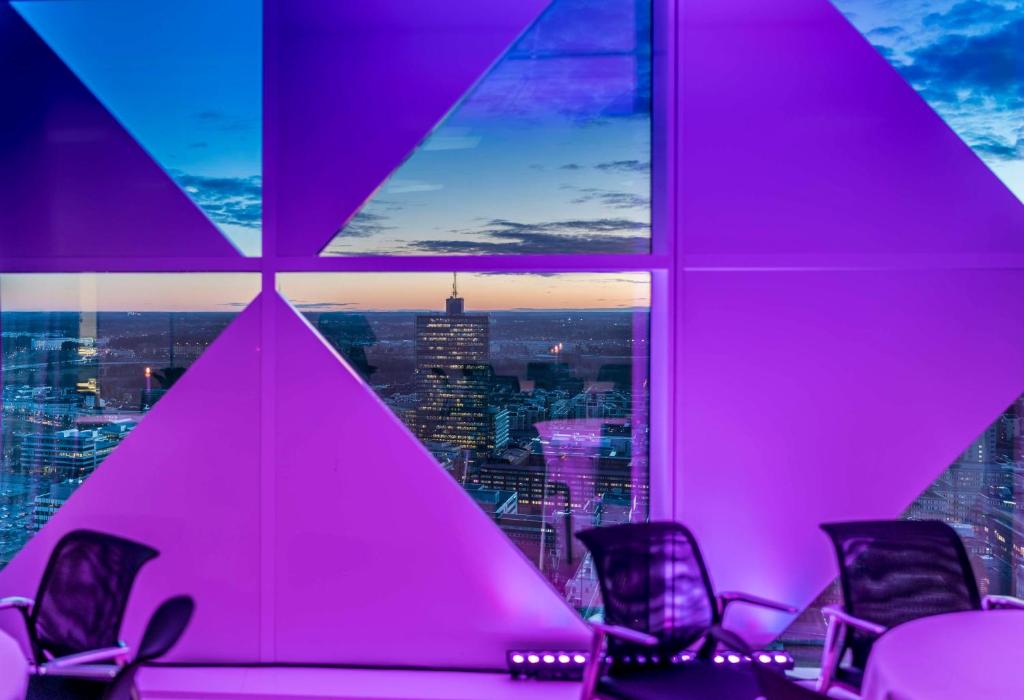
{"points": [[455, 284]]}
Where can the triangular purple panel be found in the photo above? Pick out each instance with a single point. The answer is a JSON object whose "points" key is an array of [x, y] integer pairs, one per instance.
{"points": [[369, 81], [381, 558], [818, 396], [800, 139], [185, 482], [72, 181]]}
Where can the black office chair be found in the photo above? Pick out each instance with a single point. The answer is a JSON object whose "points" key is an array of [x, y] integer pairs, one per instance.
{"points": [[891, 572], [775, 686], [162, 632], [658, 602], [74, 621]]}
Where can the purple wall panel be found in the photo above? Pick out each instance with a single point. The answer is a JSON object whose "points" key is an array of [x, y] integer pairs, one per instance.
{"points": [[186, 482], [817, 396], [798, 139], [357, 86], [381, 558], [72, 181]]}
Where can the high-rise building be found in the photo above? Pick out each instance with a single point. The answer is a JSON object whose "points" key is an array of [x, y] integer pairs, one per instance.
{"points": [[46, 505], [452, 377], [64, 454]]}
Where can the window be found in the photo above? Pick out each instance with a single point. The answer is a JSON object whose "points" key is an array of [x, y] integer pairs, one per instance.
{"points": [[549, 153], [964, 59], [84, 359], [185, 79], [530, 390]]}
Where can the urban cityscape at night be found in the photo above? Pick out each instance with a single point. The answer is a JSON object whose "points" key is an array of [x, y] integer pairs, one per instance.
{"points": [[982, 496], [74, 386], [540, 414]]}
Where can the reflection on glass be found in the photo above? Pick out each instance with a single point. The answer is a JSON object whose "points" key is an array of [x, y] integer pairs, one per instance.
{"points": [[85, 357], [549, 153], [965, 58], [530, 390], [185, 79], [982, 496]]}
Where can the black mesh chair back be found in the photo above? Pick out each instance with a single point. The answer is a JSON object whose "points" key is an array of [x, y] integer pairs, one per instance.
{"points": [[894, 571], [775, 686], [653, 580], [84, 592], [163, 631]]}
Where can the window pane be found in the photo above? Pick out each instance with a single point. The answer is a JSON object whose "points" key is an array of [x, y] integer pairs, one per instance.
{"points": [[184, 78], [549, 153], [85, 357], [979, 495], [965, 59], [530, 390]]}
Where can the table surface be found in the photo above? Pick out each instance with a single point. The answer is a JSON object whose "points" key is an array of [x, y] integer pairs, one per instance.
{"points": [[950, 657], [13, 669]]}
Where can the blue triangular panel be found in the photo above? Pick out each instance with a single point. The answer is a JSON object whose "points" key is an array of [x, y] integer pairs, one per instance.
{"points": [[184, 78], [966, 59]]}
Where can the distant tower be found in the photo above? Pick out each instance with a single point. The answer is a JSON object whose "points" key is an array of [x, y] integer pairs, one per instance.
{"points": [[452, 376], [455, 304]]}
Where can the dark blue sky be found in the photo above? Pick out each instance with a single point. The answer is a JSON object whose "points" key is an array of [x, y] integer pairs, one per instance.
{"points": [[966, 58]]}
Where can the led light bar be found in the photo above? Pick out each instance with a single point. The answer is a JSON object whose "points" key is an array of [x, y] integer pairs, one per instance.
{"points": [[569, 665]]}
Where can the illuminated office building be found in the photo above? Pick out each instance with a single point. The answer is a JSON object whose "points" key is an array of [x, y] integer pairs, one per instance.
{"points": [[452, 377], [65, 454]]}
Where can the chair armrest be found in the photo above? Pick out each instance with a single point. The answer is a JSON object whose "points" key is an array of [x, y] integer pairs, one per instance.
{"points": [[737, 597], [996, 602], [116, 654], [625, 634], [833, 613], [592, 671], [835, 633], [16, 602]]}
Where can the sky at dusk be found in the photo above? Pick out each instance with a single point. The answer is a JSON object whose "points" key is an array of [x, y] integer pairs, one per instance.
{"points": [[185, 79], [966, 58], [322, 291], [549, 152], [128, 292], [372, 291]]}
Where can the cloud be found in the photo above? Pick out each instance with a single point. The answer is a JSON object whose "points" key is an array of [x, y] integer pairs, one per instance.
{"points": [[1006, 150], [399, 186], [364, 224], [593, 236], [219, 121], [226, 200], [625, 166], [967, 14], [986, 65], [881, 32], [322, 305], [616, 200]]}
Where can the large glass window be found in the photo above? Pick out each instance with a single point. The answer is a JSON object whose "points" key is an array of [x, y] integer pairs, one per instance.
{"points": [[981, 495], [530, 390], [84, 359], [549, 153]]}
